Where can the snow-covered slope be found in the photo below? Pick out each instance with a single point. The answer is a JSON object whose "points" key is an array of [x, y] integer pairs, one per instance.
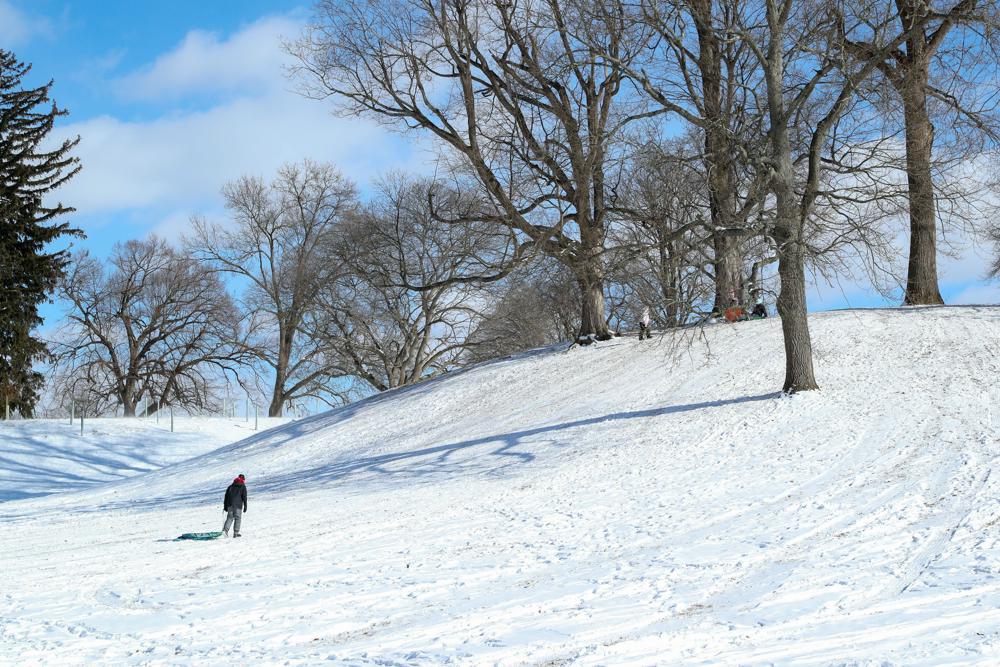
{"points": [[43, 456], [627, 503]]}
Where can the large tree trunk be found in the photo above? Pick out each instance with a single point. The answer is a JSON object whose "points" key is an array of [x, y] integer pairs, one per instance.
{"points": [[921, 277], [127, 398], [276, 409], [799, 375], [285, 337], [728, 260], [728, 271], [593, 323], [788, 225]]}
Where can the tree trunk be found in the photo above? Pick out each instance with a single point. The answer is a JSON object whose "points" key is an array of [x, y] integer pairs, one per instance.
{"points": [[921, 278], [788, 224], [593, 325], [799, 375], [128, 399], [755, 284], [285, 334], [276, 409], [718, 159], [728, 271], [126, 395]]}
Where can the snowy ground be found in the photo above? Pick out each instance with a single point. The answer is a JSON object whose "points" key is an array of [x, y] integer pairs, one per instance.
{"points": [[604, 505], [43, 456]]}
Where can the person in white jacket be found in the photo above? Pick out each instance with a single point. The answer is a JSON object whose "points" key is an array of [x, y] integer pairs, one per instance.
{"points": [[644, 323]]}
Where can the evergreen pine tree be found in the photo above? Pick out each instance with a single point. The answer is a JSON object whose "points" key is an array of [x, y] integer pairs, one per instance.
{"points": [[28, 268]]}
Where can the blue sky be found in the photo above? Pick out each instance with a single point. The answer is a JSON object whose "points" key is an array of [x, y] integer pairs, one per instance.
{"points": [[174, 99]]}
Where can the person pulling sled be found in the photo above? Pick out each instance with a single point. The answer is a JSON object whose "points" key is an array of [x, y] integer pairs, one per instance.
{"points": [[234, 505]]}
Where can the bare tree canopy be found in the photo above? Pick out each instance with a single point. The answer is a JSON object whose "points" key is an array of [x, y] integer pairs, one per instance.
{"points": [[534, 110], [663, 257], [406, 298], [277, 247], [811, 87], [152, 325], [535, 307]]}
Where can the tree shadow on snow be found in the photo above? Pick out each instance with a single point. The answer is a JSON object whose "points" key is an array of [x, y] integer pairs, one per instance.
{"points": [[503, 452], [45, 471]]}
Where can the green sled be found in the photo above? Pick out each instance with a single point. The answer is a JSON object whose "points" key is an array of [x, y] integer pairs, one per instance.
{"points": [[199, 536]]}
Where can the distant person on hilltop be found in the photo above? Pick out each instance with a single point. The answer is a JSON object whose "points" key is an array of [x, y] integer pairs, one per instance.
{"points": [[759, 311], [234, 505], [644, 323]]}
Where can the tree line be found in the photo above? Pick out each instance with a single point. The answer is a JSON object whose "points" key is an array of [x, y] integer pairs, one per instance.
{"points": [[794, 110], [591, 159]]}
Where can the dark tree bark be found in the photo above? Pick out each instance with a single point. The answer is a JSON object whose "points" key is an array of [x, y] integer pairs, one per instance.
{"points": [[921, 275], [799, 374], [789, 219], [718, 161], [910, 76], [593, 320]]}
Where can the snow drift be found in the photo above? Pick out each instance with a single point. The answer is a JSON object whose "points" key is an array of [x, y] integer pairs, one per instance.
{"points": [[626, 503]]}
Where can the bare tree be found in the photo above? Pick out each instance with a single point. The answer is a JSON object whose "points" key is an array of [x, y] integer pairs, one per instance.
{"points": [[698, 71], [158, 326], [277, 245], [811, 86], [665, 253], [534, 111], [407, 296], [993, 235], [934, 62]]}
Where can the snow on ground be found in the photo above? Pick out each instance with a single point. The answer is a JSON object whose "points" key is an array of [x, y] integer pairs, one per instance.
{"points": [[605, 505], [43, 456]]}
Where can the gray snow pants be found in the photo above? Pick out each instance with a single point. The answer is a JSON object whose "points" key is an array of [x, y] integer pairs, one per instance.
{"points": [[234, 516]]}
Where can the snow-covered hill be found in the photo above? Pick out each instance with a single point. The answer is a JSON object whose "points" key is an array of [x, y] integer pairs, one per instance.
{"points": [[627, 503]]}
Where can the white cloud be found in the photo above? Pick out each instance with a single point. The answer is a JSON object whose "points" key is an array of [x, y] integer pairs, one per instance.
{"points": [[183, 161], [204, 62], [180, 160], [174, 227], [18, 26]]}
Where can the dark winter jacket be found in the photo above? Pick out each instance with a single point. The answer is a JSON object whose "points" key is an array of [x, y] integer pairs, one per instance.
{"points": [[236, 495]]}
